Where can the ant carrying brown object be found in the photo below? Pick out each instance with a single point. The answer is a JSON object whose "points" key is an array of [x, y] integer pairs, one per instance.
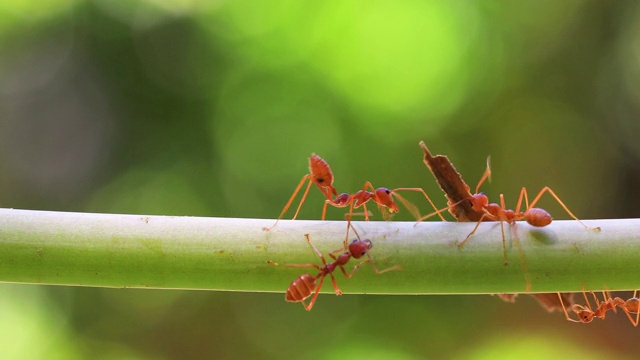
{"points": [[476, 207], [466, 207], [534, 216], [586, 314], [307, 285]]}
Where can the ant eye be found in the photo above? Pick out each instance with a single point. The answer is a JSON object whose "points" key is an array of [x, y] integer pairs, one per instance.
{"points": [[388, 191]]}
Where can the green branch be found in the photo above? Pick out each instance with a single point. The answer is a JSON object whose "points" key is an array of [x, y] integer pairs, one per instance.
{"points": [[230, 254]]}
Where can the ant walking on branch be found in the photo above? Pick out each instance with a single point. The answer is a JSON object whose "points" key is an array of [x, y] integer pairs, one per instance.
{"points": [[383, 197], [320, 174], [586, 314], [476, 207], [306, 284], [534, 216]]}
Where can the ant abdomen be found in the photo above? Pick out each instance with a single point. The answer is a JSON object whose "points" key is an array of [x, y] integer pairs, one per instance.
{"points": [[633, 305], [321, 171], [538, 217], [301, 288]]}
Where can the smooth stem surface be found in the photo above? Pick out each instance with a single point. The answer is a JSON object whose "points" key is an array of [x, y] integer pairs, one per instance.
{"points": [[230, 254]]}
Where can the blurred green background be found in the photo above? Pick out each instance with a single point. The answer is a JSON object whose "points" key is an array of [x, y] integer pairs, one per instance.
{"points": [[211, 108]]}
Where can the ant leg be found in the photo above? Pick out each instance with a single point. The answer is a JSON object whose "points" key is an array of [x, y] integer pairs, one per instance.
{"points": [[584, 293], [485, 176], [355, 232], [504, 244], [566, 314], [324, 210], [335, 285], [363, 214], [375, 268], [316, 249], [293, 196], [349, 217], [548, 189], [523, 260], [315, 295], [523, 194], [355, 268], [345, 245], [315, 266], [460, 244], [635, 296], [439, 211], [503, 207], [413, 209], [295, 265], [634, 323], [606, 295], [304, 197], [368, 185], [631, 305], [366, 213]]}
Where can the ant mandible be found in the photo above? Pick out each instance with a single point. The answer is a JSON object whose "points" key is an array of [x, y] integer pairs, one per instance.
{"points": [[586, 314], [320, 174], [305, 285]]}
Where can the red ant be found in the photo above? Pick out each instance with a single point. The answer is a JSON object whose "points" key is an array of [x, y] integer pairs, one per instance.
{"points": [[382, 196], [493, 212], [586, 314], [320, 174], [305, 285]]}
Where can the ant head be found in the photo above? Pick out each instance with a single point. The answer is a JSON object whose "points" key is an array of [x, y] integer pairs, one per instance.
{"points": [[359, 248], [479, 201], [586, 316], [383, 197]]}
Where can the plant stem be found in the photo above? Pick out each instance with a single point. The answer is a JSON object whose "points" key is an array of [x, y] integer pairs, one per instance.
{"points": [[230, 254]]}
